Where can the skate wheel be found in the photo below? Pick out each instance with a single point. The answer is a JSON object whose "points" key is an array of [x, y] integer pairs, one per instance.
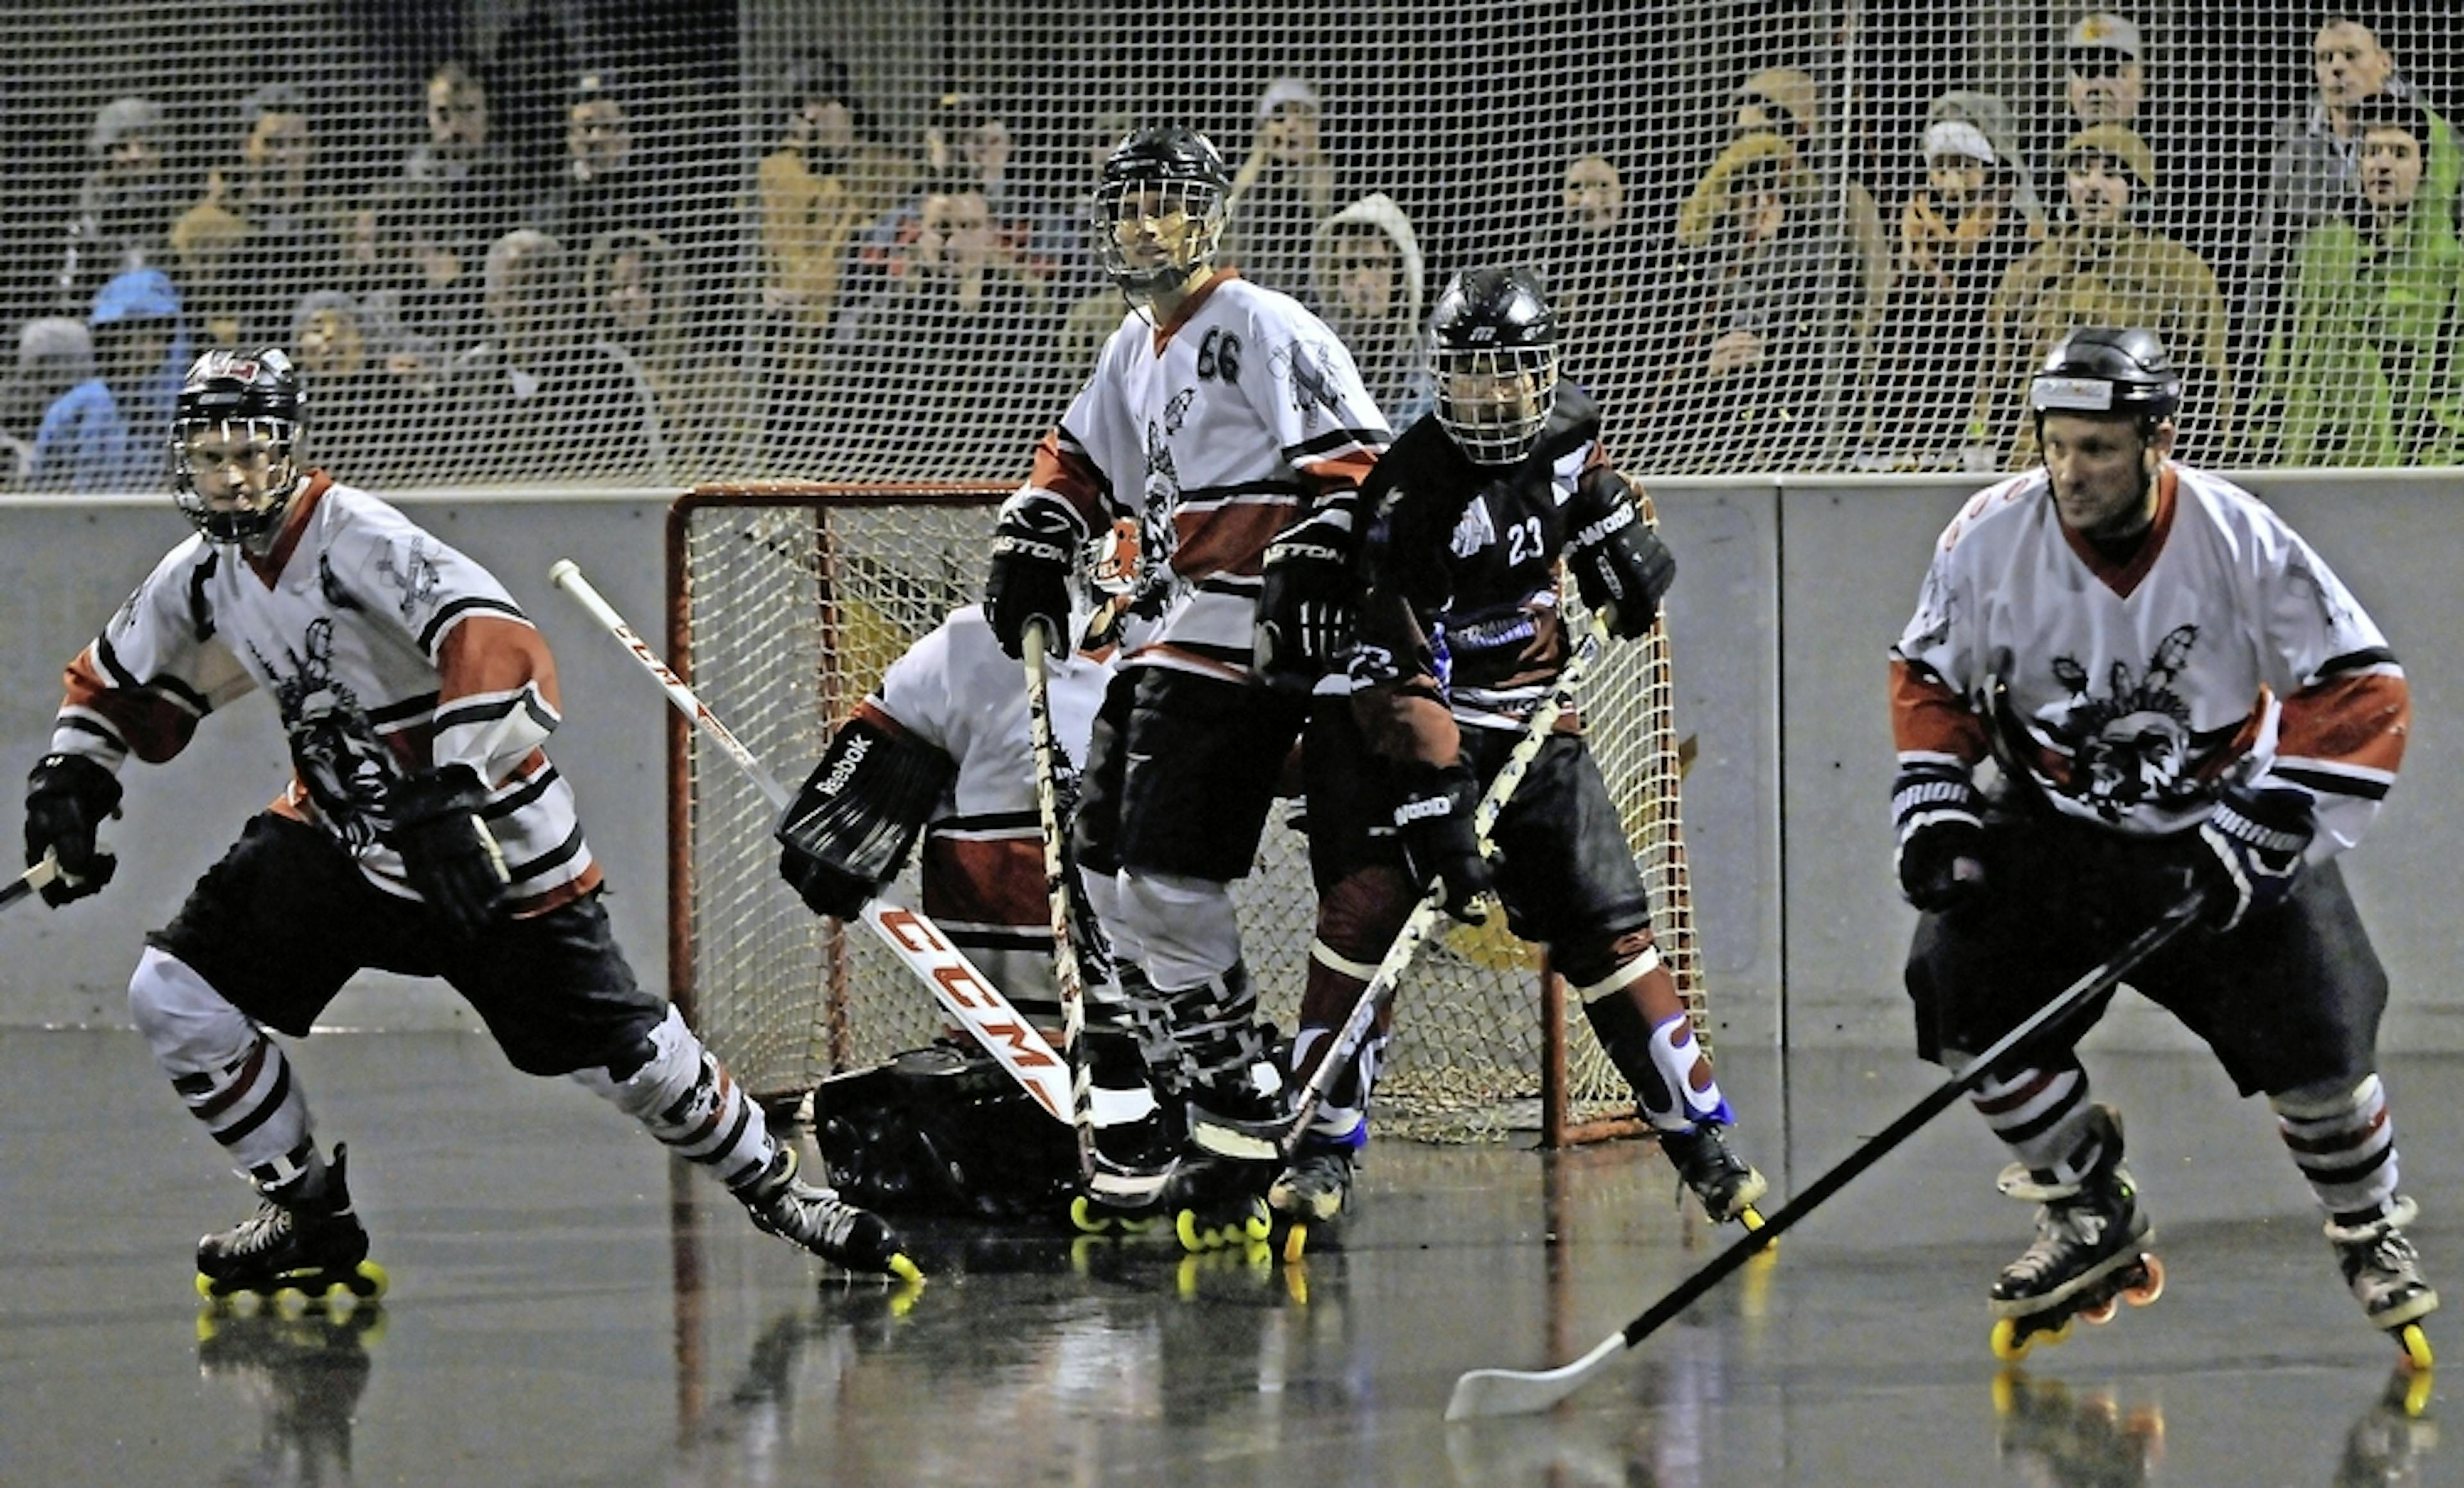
{"points": [[1257, 1226], [2008, 1345], [1295, 1244], [2415, 1345], [905, 1271], [2149, 1284], [206, 1289], [2101, 1313]]}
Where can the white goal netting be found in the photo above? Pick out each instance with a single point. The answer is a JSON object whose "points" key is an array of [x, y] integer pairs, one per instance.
{"points": [[634, 243]]}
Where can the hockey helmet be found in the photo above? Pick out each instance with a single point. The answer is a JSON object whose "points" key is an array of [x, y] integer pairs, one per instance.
{"points": [[1160, 207], [1494, 355], [252, 395], [2107, 371]]}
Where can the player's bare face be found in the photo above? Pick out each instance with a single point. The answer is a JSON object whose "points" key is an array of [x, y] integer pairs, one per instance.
{"points": [[232, 467], [2103, 473]]}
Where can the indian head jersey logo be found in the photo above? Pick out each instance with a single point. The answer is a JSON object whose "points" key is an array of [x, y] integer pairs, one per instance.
{"points": [[346, 768], [2132, 746]]}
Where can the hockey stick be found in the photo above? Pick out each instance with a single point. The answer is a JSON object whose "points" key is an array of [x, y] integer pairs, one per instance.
{"points": [[963, 991], [1484, 1392], [29, 881], [1276, 1140], [1056, 894]]}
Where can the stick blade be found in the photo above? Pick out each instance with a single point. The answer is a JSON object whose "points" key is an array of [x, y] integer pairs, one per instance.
{"points": [[1482, 1394]]}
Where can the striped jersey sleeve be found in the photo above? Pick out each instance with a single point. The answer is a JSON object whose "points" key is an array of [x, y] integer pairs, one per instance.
{"points": [[144, 685]]}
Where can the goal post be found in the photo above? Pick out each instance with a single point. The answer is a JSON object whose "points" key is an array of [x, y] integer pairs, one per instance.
{"points": [[786, 602]]}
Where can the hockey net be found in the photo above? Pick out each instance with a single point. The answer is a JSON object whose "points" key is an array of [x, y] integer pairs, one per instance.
{"points": [[788, 601]]}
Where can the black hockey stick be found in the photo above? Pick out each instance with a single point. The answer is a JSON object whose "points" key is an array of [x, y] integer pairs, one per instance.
{"points": [[1277, 1140], [1485, 1392], [29, 881], [1056, 894]]}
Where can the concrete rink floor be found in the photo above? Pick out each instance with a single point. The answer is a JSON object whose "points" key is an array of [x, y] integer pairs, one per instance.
{"points": [[567, 1308]]}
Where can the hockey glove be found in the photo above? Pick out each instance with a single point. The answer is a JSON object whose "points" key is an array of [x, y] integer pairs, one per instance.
{"points": [[1441, 850], [1619, 563], [1940, 854], [825, 888], [1033, 551], [67, 797], [447, 853], [2249, 851], [1306, 607]]}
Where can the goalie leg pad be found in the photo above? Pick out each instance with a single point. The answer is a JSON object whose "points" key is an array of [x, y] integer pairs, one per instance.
{"points": [[680, 1089], [944, 1131], [233, 1076], [852, 825]]}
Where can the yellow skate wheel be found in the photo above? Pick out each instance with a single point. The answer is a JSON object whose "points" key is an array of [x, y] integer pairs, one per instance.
{"points": [[1295, 1244], [2416, 1350], [1257, 1226], [206, 1289], [2008, 1345], [1192, 1239], [905, 1271]]}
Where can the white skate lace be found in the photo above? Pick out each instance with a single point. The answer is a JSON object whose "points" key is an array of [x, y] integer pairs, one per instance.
{"points": [[264, 1231]]}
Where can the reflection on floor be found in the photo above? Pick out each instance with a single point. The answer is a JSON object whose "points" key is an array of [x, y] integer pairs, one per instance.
{"points": [[567, 1308]]}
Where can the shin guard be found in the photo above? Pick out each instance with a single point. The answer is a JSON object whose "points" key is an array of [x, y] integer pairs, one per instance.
{"points": [[2045, 1118], [2343, 1139], [230, 1074], [1635, 1012], [681, 1090]]}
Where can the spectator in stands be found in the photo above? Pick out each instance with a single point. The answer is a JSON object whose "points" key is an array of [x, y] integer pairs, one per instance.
{"points": [[951, 370], [537, 399], [374, 404], [402, 258], [1283, 190], [1592, 254], [829, 177], [1080, 272], [1958, 235], [1748, 380], [2364, 368], [53, 355], [470, 172], [2105, 70], [108, 433], [1366, 284], [2099, 268], [124, 206], [2316, 168], [1783, 103], [604, 184], [217, 283], [961, 136], [634, 291]]}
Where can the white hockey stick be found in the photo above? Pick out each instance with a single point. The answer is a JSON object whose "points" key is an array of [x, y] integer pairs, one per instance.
{"points": [[1485, 1392], [30, 880], [1276, 1140], [963, 991], [1056, 894]]}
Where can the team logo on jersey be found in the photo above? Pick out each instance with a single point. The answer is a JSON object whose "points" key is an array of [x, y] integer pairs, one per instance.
{"points": [[2131, 748], [1158, 527], [1315, 377], [417, 576], [1176, 411], [346, 768], [1476, 530]]}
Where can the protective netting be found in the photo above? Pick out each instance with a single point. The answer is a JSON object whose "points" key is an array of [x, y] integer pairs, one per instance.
{"points": [[585, 241], [788, 606]]}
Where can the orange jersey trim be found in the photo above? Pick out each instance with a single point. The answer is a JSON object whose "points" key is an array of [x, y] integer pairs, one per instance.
{"points": [[1928, 717]]}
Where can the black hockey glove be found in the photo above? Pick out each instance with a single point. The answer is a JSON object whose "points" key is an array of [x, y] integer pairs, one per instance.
{"points": [[67, 797], [447, 853], [1942, 837], [1441, 850], [825, 888], [1034, 548], [1620, 563], [2249, 851], [1306, 608]]}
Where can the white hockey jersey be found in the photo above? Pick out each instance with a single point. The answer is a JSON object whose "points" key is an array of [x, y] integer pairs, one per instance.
{"points": [[983, 848], [386, 653], [1210, 434], [2225, 652]]}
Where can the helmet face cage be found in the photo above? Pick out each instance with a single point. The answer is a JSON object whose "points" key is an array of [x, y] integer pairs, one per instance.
{"points": [[1493, 401], [226, 395], [1187, 217]]}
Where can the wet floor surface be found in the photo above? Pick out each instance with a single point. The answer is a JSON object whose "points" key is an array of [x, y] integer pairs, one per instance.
{"points": [[567, 1310]]}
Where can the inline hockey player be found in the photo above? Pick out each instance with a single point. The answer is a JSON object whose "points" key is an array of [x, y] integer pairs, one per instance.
{"points": [[1219, 416], [1478, 510], [942, 748], [2178, 691], [424, 832]]}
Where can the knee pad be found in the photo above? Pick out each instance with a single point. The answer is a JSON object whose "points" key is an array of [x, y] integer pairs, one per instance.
{"points": [[1184, 927], [2328, 1099], [1597, 966], [1358, 919], [689, 1101], [231, 1076]]}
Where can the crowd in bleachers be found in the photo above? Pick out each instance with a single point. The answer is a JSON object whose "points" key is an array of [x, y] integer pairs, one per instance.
{"points": [[866, 306]]}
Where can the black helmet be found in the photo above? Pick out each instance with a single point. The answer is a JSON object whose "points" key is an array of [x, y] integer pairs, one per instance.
{"points": [[2108, 370], [260, 391], [1495, 361], [1156, 170]]}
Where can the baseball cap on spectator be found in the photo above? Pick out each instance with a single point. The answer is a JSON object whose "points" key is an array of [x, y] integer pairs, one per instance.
{"points": [[139, 294], [1960, 137], [2104, 31], [1288, 91], [119, 119], [275, 97], [2123, 143]]}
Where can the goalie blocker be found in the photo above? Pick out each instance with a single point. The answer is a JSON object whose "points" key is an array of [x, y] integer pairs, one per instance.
{"points": [[850, 828]]}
